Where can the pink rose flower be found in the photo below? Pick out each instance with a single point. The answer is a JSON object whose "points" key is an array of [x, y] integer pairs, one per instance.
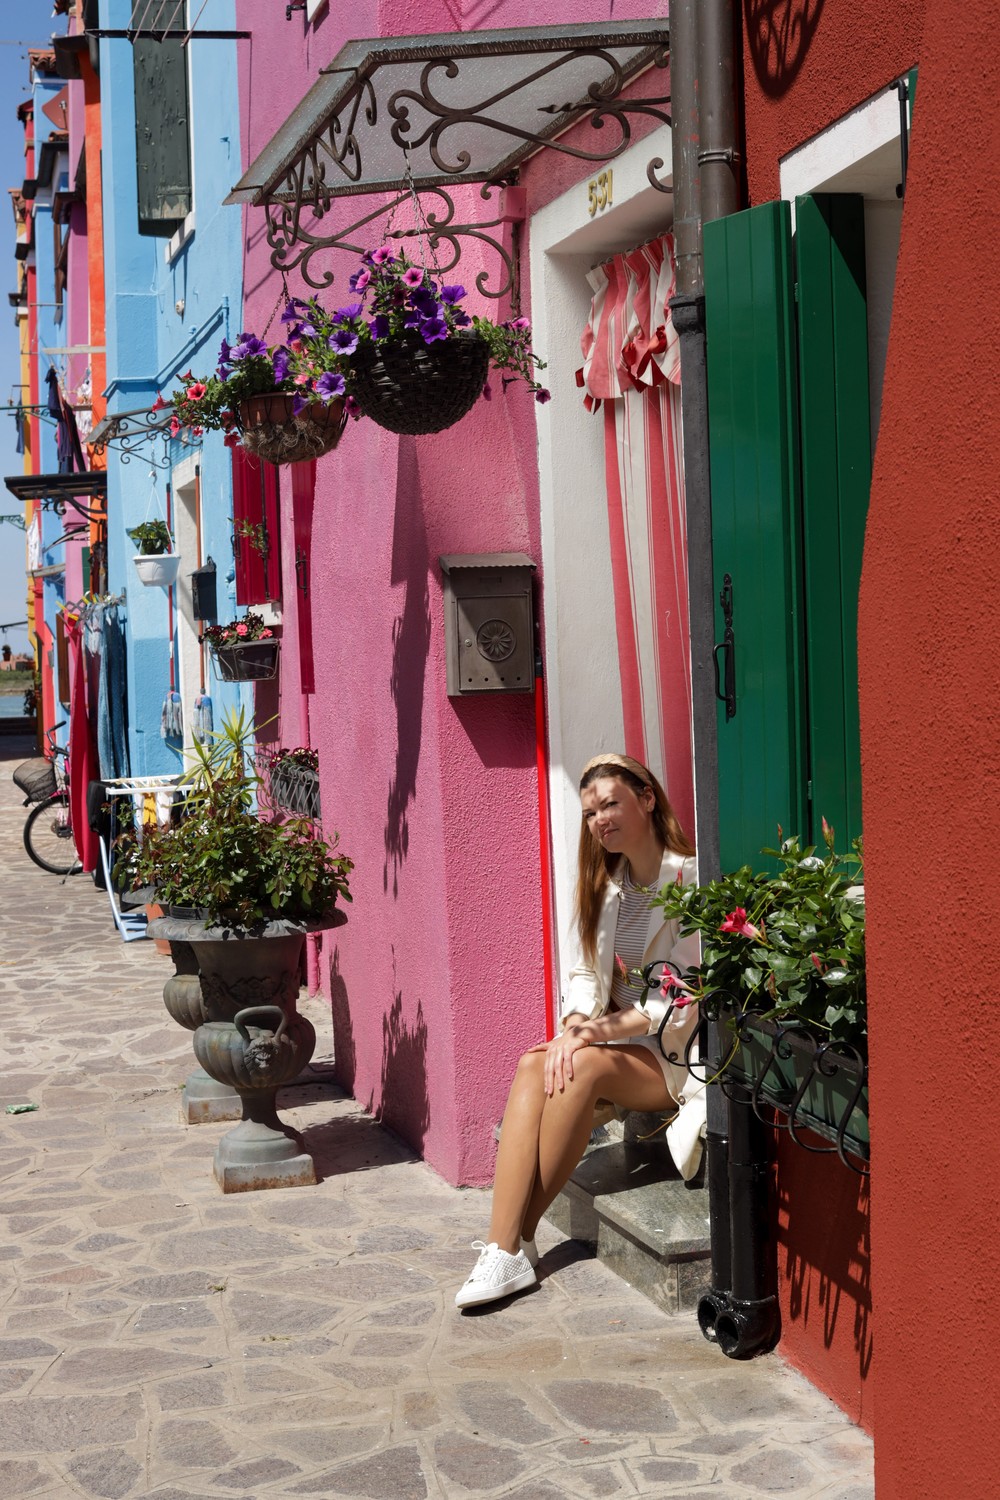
{"points": [[265, 634], [241, 630]]}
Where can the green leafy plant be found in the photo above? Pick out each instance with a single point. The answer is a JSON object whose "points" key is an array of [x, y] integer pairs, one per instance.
{"points": [[237, 868], [788, 945], [152, 538], [255, 535]]}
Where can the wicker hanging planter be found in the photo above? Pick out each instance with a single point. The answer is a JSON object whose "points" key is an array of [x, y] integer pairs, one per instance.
{"points": [[247, 661], [408, 386], [271, 429]]}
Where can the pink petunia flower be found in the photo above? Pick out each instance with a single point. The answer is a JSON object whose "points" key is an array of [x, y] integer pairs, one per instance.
{"points": [[413, 276], [382, 255], [521, 324], [296, 345], [195, 392], [737, 922], [175, 427]]}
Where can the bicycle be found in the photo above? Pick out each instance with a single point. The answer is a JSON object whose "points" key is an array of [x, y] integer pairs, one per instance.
{"points": [[48, 832]]}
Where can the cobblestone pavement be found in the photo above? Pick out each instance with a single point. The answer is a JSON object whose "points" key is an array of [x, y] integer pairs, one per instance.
{"points": [[161, 1339]]}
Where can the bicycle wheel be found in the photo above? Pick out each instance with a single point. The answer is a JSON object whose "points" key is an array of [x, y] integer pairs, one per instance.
{"points": [[48, 836]]}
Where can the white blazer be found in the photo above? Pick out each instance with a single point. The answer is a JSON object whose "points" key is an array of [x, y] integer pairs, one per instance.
{"points": [[588, 993]]}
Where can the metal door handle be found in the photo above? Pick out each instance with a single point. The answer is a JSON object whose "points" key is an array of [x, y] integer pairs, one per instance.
{"points": [[725, 689]]}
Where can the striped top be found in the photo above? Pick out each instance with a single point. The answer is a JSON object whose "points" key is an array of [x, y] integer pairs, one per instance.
{"points": [[630, 940]]}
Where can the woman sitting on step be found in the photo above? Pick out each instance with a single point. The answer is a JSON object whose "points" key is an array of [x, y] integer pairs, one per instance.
{"points": [[631, 845]]}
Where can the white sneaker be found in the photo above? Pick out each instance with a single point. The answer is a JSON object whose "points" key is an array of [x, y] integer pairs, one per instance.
{"points": [[529, 1252], [495, 1274]]}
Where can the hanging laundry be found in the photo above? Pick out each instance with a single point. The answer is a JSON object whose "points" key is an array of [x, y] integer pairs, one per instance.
{"points": [[172, 717], [202, 719]]}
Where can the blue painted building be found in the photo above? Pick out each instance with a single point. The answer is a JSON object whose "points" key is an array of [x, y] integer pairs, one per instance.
{"points": [[170, 129]]}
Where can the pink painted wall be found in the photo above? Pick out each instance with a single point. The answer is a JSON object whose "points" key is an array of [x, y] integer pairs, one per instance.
{"points": [[437, 982]]}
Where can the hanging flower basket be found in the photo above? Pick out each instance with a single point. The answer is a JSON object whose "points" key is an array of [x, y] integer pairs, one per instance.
{"points": [[409, 386], [157, 569], [247, 661], [272, 430]]}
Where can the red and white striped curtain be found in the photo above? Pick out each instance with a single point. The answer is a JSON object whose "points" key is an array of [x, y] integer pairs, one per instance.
{"points": [[632, 367]]}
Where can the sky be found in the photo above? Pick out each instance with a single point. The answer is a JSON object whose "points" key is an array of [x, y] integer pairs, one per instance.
{"points": [[23, 24]]}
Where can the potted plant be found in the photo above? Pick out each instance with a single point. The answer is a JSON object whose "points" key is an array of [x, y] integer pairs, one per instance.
{"points": [[294, 780], [155, 564], [783, 963], [254, 886], [245, 650], [404, 353]]}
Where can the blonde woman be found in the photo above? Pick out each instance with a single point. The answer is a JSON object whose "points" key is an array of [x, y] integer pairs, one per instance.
{"points": [[631, 845]]}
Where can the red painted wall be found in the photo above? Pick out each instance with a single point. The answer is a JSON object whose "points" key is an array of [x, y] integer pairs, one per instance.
{"points": [[931, 759], [824, 1276], [806, 63]]}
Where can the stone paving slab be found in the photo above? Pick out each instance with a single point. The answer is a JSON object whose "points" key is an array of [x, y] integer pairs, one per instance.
{"points": [[160, 1339]]}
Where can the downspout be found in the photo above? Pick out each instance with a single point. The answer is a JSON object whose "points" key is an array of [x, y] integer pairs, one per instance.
{"points": [[740, 1308]]}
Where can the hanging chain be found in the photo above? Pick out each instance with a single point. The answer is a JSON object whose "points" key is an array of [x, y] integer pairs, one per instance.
{"points": [[283, 296]]}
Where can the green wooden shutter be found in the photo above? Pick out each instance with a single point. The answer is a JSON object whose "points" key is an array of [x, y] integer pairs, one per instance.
{"points": [[835, 425], [162, 139], [755, 523]]}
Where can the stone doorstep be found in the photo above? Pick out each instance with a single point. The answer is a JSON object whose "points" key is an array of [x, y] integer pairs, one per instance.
{"points": [[644, 1222]]}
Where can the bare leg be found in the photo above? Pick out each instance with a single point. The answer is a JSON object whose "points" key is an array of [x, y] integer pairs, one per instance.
{"points": [[517, 1155], [628, 1076]]}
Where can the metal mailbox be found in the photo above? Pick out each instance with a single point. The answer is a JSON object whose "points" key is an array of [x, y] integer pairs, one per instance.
{"points": [[488, 623], [204, 605]]}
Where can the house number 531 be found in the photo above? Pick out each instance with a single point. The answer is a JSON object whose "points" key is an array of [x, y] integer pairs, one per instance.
{"points": [[599, 192]]}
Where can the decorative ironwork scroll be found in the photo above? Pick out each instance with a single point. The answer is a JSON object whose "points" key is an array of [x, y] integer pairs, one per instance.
{"points": [[133, 434], [295, 244]]}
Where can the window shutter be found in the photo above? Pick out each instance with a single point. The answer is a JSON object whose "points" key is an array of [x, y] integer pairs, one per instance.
{"points": [[753, 450], [272, 530], [162, 140], [248, 509], [303, 494], [836, 480]]}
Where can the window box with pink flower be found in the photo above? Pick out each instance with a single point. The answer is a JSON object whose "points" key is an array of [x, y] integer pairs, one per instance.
{"points": [[245, 650]]}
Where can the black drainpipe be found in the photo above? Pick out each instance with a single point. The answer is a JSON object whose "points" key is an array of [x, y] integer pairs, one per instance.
{"points": [[740, 1309]]}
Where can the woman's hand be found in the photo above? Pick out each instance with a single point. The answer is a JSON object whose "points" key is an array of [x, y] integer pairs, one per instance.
{"points": [[559, 1052]]}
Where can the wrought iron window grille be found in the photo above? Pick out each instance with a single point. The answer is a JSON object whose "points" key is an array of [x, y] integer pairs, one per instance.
{"points": [[451, 109], [293, 789], [797, 1080]]}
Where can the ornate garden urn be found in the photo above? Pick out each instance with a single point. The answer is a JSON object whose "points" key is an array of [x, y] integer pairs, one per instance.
{"points": [[204, 1100], [249, 1037]]}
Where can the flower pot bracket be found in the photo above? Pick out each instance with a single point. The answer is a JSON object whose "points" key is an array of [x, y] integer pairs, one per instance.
{"points": [[798, 1081], [425, 113]]}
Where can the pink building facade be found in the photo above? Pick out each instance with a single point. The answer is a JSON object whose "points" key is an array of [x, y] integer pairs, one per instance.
{"points": [[461, 813]]}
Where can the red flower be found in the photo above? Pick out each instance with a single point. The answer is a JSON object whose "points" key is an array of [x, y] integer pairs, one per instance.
{"points": [[158, 404], [737, 922], [231, 439], [195, 392]]}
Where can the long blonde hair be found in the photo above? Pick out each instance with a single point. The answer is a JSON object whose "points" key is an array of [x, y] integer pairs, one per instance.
{"points": [[596, 863]]}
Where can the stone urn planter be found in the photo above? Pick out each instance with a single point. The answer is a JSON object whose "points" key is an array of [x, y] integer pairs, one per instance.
{"points": [[249, 1039], [204, 1101]]}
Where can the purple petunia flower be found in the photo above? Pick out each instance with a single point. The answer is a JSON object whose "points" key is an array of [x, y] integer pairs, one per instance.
{"points": [[360, 279], [344, 340], [329, 385], [379, 326], [248, 347], [460, 319], [452, 293], [414, 276], [299, 404], [224, 355], [487, 392], [521, 325], [542, 396], [351, 407], [432, 329], [352, 310], [425, 299], [290, 314], [281, 362], [413, 318]]}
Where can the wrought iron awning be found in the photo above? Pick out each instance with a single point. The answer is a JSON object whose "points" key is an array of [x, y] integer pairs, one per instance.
{"points": [[130, 430], [56, 491], [429, 113]]}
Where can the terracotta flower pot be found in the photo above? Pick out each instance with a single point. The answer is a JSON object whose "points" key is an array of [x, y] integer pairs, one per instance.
{"points": [[271, 429]]}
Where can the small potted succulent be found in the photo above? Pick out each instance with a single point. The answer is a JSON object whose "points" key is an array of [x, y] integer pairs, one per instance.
{"points": [[783, 963], [404, 353], [154, 562], [245, 650]]}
